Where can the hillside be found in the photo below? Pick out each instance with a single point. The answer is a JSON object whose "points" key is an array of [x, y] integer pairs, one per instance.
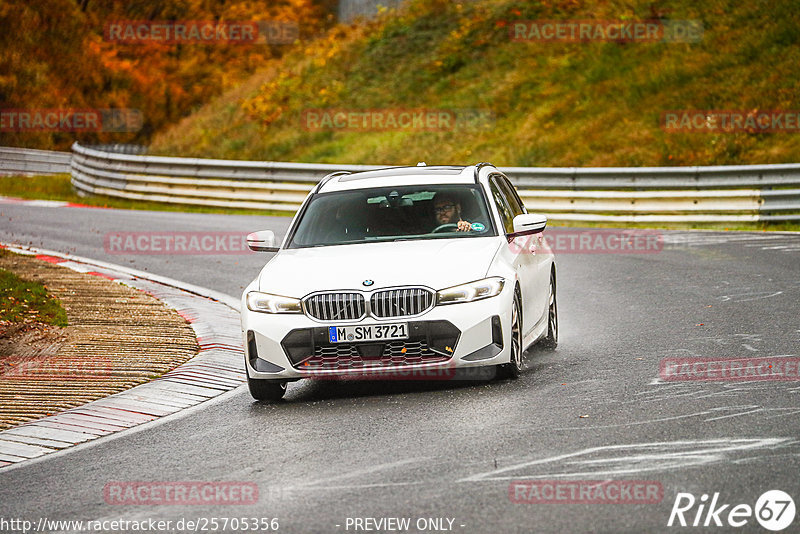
{"points": [[531, 103]]}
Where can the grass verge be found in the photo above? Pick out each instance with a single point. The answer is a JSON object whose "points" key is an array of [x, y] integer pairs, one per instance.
{"points": [[24, 301]]}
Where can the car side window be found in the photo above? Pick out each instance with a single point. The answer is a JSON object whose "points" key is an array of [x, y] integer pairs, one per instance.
{"points": [[506, 214], [517, 207]]}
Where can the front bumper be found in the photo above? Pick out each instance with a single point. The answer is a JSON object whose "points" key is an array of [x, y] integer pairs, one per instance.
{"points": [[294, 346]]}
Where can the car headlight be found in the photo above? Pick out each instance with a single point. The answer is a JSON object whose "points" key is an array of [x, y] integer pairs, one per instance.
{"points": [[481, 289], [266, 303]]}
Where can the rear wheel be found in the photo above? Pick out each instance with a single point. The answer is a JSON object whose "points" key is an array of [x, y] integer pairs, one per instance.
{"points": [[551, 340], [513, 368]]}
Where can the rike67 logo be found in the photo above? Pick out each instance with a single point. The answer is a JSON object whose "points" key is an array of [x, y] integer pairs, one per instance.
{"points": [[774, 510]]}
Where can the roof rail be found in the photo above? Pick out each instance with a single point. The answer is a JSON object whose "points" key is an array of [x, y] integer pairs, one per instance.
{"points": [[327, 178], [478, 168]]}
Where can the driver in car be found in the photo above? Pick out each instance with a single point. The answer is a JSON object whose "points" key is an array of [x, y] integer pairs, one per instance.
{"points": [[447, 210]]}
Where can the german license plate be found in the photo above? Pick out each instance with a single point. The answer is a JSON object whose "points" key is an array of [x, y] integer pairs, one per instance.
{"points": [[374, 332]]}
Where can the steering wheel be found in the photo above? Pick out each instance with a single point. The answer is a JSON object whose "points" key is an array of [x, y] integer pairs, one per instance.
{"points": [[443, 227]]}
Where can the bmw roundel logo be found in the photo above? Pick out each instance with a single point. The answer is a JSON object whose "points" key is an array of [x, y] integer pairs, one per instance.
{"points": [[368, 283]]}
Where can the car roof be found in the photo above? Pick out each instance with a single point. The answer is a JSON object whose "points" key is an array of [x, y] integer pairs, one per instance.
{"points": [[400, 176]]}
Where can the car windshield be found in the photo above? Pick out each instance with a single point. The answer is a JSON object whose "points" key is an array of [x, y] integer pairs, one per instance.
{"points": [[393, 213]]}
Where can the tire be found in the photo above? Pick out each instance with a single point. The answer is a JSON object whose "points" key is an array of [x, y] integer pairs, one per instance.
{"points": [[266, 390], [550, 341], [513, 368]]}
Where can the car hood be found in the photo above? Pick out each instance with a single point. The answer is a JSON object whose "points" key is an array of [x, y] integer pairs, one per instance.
{"points": [[436, 263]]}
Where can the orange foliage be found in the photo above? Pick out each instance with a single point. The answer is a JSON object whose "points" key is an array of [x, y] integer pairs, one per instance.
{"points": [[53, 54]]}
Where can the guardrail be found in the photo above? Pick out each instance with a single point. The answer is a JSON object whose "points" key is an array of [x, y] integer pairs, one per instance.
{"points": [[121, 148], [29, 161], [263, 185], [720, 194]]}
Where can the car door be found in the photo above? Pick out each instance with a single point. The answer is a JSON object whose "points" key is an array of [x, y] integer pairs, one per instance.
{"points": [[518, 253], [534, 246]]}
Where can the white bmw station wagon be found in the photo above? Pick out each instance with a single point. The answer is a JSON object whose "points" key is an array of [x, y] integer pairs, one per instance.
{"points": [[399, 271]]}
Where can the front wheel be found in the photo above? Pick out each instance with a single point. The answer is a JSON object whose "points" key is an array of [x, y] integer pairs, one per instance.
{"points": [[266, 390], [551, 340], [513, 368]]}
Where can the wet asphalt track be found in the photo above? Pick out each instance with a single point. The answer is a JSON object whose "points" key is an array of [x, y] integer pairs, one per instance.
{"points": [[334, 451]]}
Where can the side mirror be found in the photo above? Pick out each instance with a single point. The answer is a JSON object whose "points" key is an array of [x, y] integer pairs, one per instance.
{"points": [[263, 241], [528, 223]]}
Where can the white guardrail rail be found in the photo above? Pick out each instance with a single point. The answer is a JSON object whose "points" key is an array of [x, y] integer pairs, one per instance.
{"points": [[720, 194], [27, 161]]}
